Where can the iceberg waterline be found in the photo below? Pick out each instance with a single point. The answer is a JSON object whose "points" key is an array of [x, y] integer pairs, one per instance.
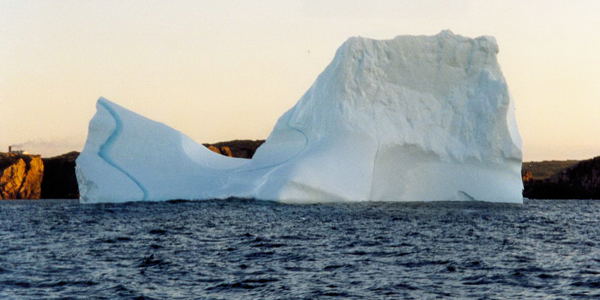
{"points": [[414, 118]]}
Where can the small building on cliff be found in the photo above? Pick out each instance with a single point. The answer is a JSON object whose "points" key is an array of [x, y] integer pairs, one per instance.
{"points": [[16, 150]]}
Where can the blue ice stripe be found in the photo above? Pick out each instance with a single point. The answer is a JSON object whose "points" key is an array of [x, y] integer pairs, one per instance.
{"points": [[103, 153]]}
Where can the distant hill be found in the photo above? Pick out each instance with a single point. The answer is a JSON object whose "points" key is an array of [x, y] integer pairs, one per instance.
{"points": [[544, 169], [577, 181]]}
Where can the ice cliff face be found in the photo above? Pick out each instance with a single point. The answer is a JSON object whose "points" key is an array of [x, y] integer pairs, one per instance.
{"points": [[415, 118]]}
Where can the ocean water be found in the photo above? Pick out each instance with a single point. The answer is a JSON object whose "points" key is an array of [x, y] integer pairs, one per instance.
{"points": [[243, 249]]}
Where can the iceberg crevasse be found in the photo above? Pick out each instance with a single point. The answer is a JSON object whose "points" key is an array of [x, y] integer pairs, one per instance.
{"points": [[414, 118]]}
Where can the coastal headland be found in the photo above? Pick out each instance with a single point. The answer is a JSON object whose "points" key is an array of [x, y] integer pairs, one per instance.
{"points": [[26, 176]]}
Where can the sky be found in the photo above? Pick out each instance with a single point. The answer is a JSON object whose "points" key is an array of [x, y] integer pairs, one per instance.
{"points": [[223, 70]]}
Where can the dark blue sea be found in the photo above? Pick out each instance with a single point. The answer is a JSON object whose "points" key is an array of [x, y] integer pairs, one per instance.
{"points": [[244, 249]]}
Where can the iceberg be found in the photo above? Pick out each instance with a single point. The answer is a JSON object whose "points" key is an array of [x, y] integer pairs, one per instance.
{"points": [[414, 118]]}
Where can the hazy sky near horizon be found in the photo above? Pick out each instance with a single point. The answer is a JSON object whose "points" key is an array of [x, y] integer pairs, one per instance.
{"points": [[222, 70]]}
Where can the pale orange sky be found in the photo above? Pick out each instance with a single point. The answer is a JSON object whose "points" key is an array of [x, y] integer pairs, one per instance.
{"points": [[221, 70]]}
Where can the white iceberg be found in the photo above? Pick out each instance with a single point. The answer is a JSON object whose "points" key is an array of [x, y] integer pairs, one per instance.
{"points": [[414, 118]]}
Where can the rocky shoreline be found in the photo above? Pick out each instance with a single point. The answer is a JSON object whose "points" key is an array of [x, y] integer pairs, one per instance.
{"points": [[20, 176], [580, 180], [24, 176]]}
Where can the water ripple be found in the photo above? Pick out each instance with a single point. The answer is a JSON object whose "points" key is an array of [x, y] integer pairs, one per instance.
{"points": [[243, 249]]}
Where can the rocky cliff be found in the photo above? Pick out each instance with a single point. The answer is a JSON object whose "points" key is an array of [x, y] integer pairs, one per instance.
{"points": [[580, 181], [59, 177], [20, 176]]}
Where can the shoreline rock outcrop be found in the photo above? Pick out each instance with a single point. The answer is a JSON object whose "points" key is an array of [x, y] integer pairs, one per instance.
{"points": [[20, 176], [579, 181], [59, 180]]}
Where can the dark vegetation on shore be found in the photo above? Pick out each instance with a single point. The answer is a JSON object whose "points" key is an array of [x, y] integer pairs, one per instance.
{"points": [[21, 175], [540, 170], [576, 180]]}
